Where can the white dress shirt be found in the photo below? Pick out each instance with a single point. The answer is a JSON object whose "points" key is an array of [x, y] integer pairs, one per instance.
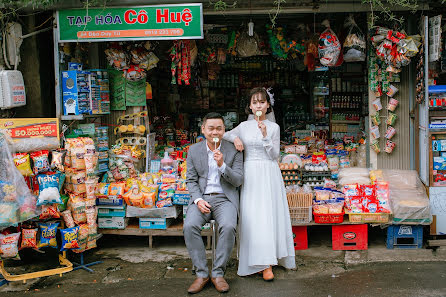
{"points": [[214, 173]]}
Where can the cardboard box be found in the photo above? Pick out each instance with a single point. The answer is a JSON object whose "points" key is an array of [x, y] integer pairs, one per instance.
{"points": [[112, 223], [154, 223], [111, 211], [181, 198], [164, 212], [110, 201]]}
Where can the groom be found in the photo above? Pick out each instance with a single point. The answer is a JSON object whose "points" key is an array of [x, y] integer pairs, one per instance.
{"points": [[214, 172]]}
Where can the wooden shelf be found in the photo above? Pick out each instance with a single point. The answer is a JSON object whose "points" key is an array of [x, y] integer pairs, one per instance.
{"points": [[345, 122], [176, 229]]}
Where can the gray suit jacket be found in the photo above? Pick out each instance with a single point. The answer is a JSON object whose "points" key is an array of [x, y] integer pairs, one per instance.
{"points": [[198, 167]]}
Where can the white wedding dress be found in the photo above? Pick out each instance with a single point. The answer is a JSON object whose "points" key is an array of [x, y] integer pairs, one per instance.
{"points": [[264, 226]]}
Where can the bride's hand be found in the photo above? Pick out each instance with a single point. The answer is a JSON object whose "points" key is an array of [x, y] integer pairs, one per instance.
{"points": [[238, 144], [262, 128]]}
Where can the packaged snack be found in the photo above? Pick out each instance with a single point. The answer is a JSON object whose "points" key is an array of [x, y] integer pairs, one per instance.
{"points": [[375, 146], [48, 235], [82, 238], [335, 208], [28, 208], [117, 189], [8, 214], [164, 203], [390, 132], [23, 164], [91, 214], [90, 163], [63, 206], [376, 176], [376, 120], [367, 190], [48, 188], [391, 119], [8, 192], [392, 91], [168, 178], [68, 218], [322, 193], [375, 132], [40, 161], [351, 190], [29, 238], [92, 235], [320, 209], [49, 212], [393, 103], [9, 246], [77, 206], [69, 238], [90, 187], [377, 104], [102, 190], [390, 146], [77, 158], [329, 47], [78, 177], [57, 161]]}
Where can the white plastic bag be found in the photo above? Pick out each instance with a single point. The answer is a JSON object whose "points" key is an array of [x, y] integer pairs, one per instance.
{"points": [[354, 44]]}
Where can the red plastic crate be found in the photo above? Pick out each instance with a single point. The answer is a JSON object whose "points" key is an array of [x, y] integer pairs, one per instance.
{"points": [[300, 237], [350, 237], [328, 218]]}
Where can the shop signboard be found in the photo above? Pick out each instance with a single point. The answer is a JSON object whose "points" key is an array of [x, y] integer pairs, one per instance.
{"points": [[21, 128], [154, 22]]}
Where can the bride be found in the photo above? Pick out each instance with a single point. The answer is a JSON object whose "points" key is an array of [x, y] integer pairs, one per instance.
{"points": [[266, 238]]}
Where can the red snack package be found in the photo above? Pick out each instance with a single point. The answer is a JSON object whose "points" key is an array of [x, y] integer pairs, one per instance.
{"points": [[29, 238], [49, 212]]}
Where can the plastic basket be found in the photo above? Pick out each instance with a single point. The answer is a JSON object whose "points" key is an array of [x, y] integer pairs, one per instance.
{"points": [[300, 205], [368, 217], [328, 218], [300, 215]]}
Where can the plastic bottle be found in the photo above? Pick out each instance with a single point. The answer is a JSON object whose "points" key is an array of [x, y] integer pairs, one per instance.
{"points": [[167, 161]]}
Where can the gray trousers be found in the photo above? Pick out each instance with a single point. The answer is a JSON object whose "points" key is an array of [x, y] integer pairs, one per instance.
{"points": [[225, 214]]}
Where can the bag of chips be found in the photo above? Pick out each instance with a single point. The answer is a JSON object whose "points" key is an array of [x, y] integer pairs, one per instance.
{"points": [[57, 161], [63, 206], [8, 214], [23, 164], [82, 238], [69, 238], [49, 189], [49, 212], [117, 189], [40, 161], [102, 190], [77, 206], [9, 246], [29, 238], [68, 218], [48, 235]]}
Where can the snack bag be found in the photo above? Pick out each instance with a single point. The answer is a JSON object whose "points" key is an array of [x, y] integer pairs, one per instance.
{"points": [[77, 206], [164, 203], [29, 238], [9, 246], [40, 160], [8, 214], [57, 161], [8, 192], [82, 238], [48, 189], [117, 189], [48, 235], [23, 164], [91, 214], [102, 190], [166, 191], [68, 218], [90, 187], [49, 212], [329, 46], [63, 206], [77, 158], [69, 238]]}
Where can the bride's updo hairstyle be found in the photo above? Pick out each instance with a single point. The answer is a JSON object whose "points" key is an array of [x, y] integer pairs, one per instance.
{"points": [[263, 93]]}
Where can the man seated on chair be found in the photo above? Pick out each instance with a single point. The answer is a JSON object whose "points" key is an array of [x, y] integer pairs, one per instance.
{"points": [[214, 173]]}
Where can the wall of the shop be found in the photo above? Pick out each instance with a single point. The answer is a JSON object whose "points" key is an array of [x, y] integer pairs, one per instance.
{"points": [[37, 69], [400, 158]]}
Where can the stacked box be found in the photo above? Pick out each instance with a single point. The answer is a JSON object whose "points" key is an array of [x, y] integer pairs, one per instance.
{"points": [[155, 223]]}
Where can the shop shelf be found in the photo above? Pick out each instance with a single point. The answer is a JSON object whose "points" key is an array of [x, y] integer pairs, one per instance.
{"points": [[345, 122], [368, 217]]}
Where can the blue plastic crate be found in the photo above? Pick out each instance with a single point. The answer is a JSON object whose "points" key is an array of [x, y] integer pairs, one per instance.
{"points": [[405, 237]]}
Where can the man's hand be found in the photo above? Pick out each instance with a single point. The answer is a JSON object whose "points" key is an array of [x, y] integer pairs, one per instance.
{"points": [[218, 157], [203, 206], [238, 144]]}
